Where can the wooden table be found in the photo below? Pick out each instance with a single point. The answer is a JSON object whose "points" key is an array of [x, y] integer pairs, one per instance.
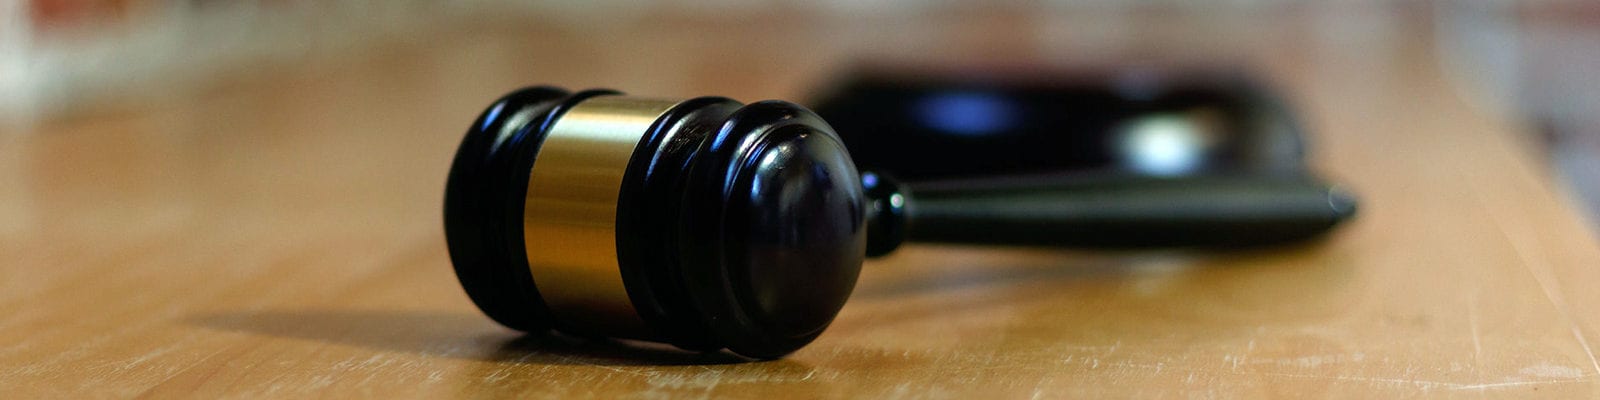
{"points": [[279, 235]]}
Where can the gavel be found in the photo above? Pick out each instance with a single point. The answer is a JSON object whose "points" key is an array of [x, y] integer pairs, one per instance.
{"points": [[710, 224]]}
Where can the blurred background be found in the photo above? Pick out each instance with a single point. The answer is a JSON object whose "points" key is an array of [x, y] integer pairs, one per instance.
{"points": [[68, 65]]}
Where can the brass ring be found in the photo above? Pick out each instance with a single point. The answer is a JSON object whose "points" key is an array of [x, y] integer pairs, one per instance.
{"points": [[570, 212]]}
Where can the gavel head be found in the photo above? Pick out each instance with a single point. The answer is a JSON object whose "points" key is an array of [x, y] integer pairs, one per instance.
{"points": [[703, 223]]}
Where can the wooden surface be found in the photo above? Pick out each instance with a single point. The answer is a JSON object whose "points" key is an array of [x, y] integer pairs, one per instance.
{"points": [[279, 236]]}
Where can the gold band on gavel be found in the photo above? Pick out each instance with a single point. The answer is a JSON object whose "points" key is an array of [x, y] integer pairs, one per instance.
{"points": [[570, 216]]}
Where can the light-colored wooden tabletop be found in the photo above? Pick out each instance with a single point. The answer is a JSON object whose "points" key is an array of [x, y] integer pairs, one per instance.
{"points": [[279, 235]]}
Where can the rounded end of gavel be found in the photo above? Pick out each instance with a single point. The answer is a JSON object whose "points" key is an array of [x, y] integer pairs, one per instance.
{"points": [[703, 223]]}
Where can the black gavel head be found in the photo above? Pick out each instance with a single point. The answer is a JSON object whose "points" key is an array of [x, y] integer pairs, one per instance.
{"points": [[704, 223]]}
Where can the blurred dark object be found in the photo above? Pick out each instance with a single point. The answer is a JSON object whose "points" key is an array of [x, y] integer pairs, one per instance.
{"points": [[1119, 158], [925, 126]]}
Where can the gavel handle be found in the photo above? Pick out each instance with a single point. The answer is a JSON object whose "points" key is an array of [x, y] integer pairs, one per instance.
{"points": [[1129, 213]]}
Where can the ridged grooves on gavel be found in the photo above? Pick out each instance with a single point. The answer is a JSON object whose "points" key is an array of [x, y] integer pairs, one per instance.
{"points": [[673, 211]]}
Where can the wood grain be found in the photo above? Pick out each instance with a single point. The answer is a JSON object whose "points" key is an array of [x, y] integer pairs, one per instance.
{"points": [[279, 236]]}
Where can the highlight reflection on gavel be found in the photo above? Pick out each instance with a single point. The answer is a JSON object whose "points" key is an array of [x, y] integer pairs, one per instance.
{"points": [[709, 224]]}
